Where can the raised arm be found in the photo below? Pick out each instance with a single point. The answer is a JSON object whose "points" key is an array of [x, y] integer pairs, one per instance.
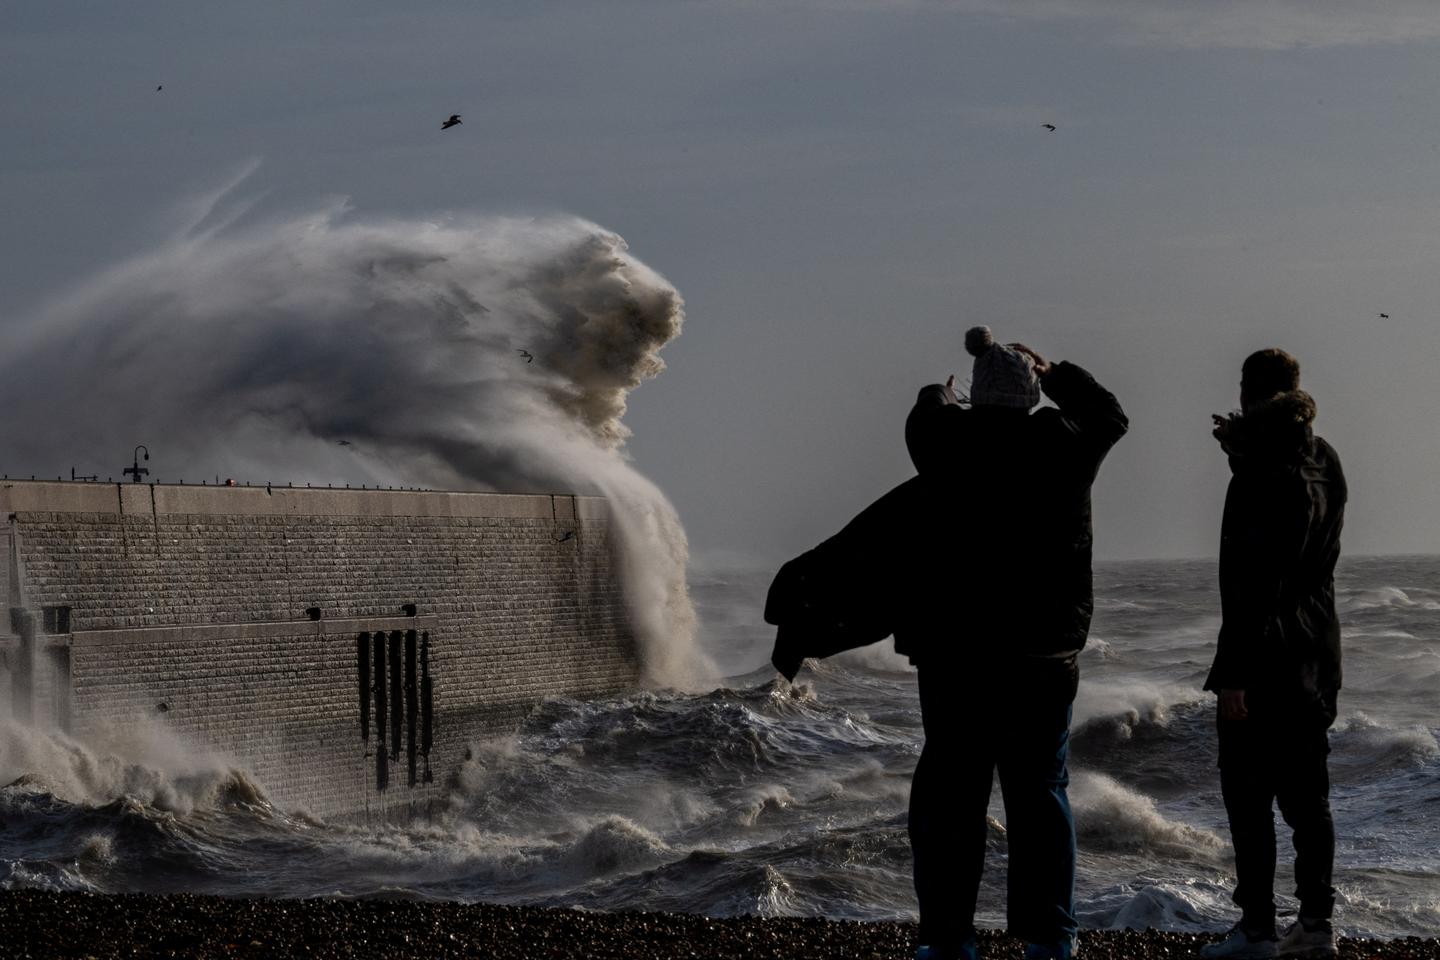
{"points": [[1090, 413]]}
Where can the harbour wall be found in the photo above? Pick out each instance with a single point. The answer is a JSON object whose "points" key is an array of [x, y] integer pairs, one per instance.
{"points": [[343, 646]]}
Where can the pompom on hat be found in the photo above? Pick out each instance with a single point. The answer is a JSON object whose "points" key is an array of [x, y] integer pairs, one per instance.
{"points": [[1002, 376]]}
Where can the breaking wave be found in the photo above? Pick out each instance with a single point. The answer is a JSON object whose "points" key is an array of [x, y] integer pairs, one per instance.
{"points": [[462, 352], [1113, 817], [147, 766], [1363, 748], [1387, 597]]}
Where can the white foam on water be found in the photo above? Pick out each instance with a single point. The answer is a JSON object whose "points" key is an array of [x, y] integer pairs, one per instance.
{"points": [[614, 844], [1153, 903], [761, 800], [1124, 703], [1353, 601], [137, 760], [1359, 740], [1112, 817]]}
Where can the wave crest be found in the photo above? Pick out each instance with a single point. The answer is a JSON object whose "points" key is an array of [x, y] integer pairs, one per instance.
{"points": [[1360, 742], [1111, 817], [144, 765]]}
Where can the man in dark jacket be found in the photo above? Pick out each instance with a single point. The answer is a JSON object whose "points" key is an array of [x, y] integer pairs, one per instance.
{"points": [[999, 606], [1277, 664]]}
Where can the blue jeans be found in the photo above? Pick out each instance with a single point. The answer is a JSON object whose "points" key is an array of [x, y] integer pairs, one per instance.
{"points": [[1014, 719]]}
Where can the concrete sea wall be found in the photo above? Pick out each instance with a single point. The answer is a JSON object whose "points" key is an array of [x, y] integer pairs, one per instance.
{"points": [[345, 646]]}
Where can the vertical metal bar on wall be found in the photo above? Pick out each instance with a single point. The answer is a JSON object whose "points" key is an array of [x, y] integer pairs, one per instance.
{"points": [[412, 708], [382, 771], [397, 695], [427, 705]]}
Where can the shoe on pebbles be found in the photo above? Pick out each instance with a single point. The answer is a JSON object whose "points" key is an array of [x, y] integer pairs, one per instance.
{"points": [[969, 950], [1059, 950], [1239, 944], [1308, 938]]}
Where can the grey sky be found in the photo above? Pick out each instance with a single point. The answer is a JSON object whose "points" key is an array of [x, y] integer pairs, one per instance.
{"points": [[838, 189]]}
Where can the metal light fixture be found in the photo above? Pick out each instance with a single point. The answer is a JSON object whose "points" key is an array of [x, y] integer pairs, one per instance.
{"points": [[136, 470]]}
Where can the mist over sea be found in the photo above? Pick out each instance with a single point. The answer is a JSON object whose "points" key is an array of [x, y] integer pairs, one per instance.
{"points": [[758, 798]]}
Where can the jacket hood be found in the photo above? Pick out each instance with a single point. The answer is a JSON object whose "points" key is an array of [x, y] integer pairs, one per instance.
{"points": [[1277, 426], [1293, 406]]}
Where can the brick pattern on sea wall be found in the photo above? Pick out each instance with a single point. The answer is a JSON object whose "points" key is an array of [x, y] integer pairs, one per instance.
{"points": [[521, 597]]}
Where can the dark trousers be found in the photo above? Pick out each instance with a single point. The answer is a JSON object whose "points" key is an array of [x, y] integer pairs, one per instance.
{"points": [[1267, 759], [1015, 721]]}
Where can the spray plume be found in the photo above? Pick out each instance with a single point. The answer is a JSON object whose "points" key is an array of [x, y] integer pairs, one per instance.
{"points": [[252, 350]]}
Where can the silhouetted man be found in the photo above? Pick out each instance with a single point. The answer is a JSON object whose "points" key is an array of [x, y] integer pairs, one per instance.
{"points": [[1277, 664], [1002, 606]]}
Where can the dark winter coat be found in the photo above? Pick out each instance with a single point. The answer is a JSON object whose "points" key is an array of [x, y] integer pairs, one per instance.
{"points": [[853, 589], [1010, 501], [986, 552], [1279, 542]]}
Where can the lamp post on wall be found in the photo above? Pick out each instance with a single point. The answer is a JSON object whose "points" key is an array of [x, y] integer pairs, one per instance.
{"points": [[136, 470]]}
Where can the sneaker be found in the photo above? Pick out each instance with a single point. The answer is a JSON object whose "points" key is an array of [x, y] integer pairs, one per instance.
{"points": [[1060, 950], [1307, 938], [1240, 944], [969, 950]]}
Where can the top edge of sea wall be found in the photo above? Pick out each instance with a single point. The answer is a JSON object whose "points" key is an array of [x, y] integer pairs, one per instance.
{"points": [[50, 496]]}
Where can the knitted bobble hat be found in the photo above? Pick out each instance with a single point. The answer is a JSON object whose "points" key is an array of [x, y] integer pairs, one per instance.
{"points": [[1002, 376]]}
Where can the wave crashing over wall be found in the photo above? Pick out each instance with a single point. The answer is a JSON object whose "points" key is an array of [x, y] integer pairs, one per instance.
{"points": [[464, 353]]}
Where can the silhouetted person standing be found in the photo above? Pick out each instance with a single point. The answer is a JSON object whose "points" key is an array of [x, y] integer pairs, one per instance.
{"points": [[1277, 664], [1004, 602]]}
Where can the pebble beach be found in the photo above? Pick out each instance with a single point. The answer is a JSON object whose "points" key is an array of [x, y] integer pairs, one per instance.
{"points": [[35, 924]]}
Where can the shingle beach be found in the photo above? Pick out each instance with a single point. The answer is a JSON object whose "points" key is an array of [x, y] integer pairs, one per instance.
{"points": [[46, 925]]}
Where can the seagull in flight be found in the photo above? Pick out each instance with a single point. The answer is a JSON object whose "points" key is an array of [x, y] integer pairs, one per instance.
{"points": [[454, 119], [529, 357], [1049, 126], [1384, 316]]}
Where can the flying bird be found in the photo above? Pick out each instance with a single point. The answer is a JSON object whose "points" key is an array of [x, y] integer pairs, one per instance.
{"points": [[343, 443], [1049, 126], [159, 88], [454, 119], [1384, 316], [529, 357]]}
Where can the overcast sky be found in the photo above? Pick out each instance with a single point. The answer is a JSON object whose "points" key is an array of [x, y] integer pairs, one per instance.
{"points": [[838, 188]]}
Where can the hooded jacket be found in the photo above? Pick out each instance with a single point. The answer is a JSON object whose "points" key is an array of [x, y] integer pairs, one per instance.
{"points": [[1279, 543]]}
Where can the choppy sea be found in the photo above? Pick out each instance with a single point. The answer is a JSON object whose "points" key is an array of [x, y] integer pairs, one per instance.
{"points": [[757, 797]]}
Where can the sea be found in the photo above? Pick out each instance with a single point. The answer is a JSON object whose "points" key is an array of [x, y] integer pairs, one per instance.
{"points": [[759, 797]]}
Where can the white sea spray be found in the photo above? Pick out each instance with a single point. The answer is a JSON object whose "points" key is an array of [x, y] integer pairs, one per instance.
{"points": [[458, 351]]}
